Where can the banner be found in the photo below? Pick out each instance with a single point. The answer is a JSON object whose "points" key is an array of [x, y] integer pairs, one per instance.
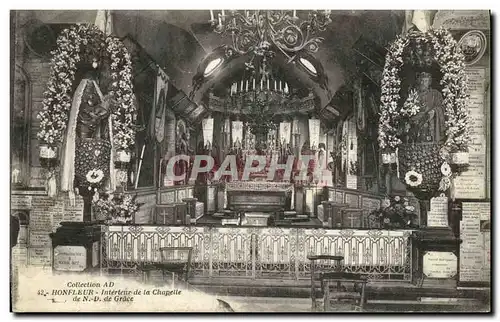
{"points": [[285, 131], [208, 131], [159, 112], [314, 125], [237, 133]]}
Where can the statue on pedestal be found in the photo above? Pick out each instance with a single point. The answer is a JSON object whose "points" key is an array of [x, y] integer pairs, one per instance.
{"points": [[87, 160], [428, 124]]}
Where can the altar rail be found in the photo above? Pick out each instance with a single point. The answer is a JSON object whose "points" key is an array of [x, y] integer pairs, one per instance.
{"points": [[260, 252]]}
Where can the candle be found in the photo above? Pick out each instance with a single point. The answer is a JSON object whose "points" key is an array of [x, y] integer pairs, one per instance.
{"points": [[211, 15], [281, 89], [268, 84], [223, 14], [275, 85], [247, 86], [295, 13], [262, 83], [254, 83]]}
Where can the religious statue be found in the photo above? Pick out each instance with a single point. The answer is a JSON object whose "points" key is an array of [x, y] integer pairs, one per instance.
{"points": [[428, 124], [87, 151]]}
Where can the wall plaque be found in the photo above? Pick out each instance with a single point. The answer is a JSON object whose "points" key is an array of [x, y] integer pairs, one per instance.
{"points": [[475, 230], [352, 182], [40, 239], [20, 202], [471, 184], [440, 264], [473, 46], [19, 256], [438, 214], [40, 256], [70, 258]]}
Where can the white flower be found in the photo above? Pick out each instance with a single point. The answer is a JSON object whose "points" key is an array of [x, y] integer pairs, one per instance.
{"points": [[413, 178], [445, 169], [397, 198], [94, 176], [410, 208], [444, 184]]}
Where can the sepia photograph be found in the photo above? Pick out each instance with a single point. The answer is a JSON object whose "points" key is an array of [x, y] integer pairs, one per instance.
{"points": [[277, 161]]}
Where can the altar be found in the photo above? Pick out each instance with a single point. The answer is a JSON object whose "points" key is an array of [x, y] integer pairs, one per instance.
{"points": [[259, 196]]}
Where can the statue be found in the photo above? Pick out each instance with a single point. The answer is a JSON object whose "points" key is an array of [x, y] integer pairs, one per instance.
{"points": [[87, 160], [428, 124]]}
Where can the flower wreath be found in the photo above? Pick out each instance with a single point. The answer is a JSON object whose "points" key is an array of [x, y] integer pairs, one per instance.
{"points": [[85, 42], [451, 62]]}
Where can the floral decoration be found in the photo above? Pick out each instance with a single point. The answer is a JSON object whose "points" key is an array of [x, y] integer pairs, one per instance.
{"points": [[95, 176], [396, 212], [115, 208], [413, 178], [451, 62], [86, 43]]}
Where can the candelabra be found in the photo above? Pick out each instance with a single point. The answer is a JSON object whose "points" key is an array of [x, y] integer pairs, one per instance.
{"points": [[256, 30]]}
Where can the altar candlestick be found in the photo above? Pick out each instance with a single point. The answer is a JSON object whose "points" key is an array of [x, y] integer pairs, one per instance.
{"points": [[211, 15]]}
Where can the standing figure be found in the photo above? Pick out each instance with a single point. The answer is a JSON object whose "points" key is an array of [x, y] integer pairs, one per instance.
{"points": [[428, 124], [87, 160]]}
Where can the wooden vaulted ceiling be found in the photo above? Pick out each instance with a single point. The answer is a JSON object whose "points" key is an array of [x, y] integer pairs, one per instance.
{"points": [[179, 40]]}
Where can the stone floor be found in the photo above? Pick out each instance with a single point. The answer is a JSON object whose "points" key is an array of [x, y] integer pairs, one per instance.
{"points": [[276, 304]]}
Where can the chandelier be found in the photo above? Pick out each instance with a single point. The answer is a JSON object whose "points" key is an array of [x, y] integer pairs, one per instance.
{"points": [[256, 31]]}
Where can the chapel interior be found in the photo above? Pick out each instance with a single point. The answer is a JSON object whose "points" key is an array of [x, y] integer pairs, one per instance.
{"points": [[241, 94]]}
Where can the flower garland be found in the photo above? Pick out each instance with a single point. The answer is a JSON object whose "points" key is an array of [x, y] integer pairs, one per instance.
{"points": [[85, 42], [452, 66]]}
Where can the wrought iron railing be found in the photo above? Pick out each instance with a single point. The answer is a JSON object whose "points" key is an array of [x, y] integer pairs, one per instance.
{"points": [[260, 252]]}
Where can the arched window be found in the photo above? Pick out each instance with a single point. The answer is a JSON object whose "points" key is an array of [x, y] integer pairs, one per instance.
{"points": [[212, 66]]}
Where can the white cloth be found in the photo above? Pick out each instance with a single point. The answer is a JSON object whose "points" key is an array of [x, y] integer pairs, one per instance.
{"points": [[422, 19], [104, 22], [68, 151]]}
